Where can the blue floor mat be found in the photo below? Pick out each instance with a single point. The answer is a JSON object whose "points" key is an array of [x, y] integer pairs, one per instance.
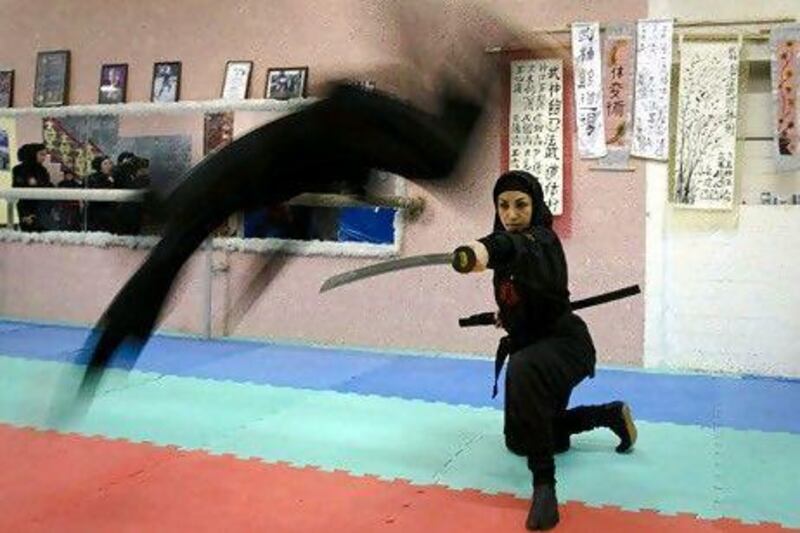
{"points": [[741, 403]]}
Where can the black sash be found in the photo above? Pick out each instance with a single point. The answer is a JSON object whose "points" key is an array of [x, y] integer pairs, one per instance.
{"points": [[505, 347]]}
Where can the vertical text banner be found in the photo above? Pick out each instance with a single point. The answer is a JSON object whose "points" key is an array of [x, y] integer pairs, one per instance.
{"points": [[785, 54], [536, 125], [705, 144], [588, 89], [652, 92], [619, 49]]}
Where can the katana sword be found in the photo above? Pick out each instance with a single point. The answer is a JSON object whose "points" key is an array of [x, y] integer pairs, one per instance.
{"points": [[489, 318], [385, 267], [462, 260]]}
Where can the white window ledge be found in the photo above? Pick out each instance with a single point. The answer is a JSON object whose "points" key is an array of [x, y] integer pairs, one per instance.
{"points": [[231, 244], [143, 108]]}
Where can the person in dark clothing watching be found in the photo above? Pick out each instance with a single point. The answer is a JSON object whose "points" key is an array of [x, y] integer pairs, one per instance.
{"points": [[550, 347], [130, 173], [70, 212], [100, 216], [30, 172], [70, 180]]}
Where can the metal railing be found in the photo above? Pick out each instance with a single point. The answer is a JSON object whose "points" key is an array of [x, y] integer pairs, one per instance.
{"points": [[413, 206]]}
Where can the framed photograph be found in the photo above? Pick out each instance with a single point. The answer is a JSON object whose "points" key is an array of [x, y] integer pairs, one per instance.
{"points": [[52, 79], [6, 88], [113, 84], [237, 80], [286, 83], [166, 82]]}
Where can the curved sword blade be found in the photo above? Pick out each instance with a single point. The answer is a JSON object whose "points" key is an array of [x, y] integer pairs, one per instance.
{"points": [[385, 267]]}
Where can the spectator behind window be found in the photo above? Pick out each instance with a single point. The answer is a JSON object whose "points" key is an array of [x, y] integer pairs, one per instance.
{"points": [[100, 215], [70, 212], [34, 215], [131, 172]]}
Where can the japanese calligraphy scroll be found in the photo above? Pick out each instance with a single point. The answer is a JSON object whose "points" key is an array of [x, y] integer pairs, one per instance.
{"points": [[588, 89], [652, 92], [785, 52], [706, 129], [619, 48], [536, 125]]}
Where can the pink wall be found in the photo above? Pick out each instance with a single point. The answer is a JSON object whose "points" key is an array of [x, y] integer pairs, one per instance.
{"points": [[414, 310]]}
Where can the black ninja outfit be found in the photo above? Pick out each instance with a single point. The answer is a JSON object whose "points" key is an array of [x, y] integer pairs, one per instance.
{"points": [[34, 215], [101, 215], [344, 136], [70, 211], [550, 349]]}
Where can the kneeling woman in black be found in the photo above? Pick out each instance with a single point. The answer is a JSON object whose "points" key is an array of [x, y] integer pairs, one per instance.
{"points": [[550, 347]]}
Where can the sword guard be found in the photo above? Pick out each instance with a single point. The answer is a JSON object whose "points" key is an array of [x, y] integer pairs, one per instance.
{"points": [[464, 259]]}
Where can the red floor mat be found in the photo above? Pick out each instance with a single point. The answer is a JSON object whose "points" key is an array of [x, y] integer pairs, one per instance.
{"points": [[53, 482]]}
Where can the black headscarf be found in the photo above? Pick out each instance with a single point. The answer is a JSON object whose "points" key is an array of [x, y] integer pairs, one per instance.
{"points": [[27, 153], [519, 180], [30, 168], [97, 162]]}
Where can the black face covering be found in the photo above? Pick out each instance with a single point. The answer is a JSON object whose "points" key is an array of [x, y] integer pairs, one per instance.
{"points": [[519, 180]]}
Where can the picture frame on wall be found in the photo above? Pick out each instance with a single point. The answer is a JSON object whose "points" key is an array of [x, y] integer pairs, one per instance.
{"points": [[6, 88], [166, 86], [113, 84], [286, 83], [51, 87], [236, 85]]}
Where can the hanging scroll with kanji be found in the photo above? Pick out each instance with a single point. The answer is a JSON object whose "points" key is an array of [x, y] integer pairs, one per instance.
{"points": [[536, 125]]}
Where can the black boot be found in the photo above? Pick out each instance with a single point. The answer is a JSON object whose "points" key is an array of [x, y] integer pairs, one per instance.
{"points": [[620, 421], [543, 513]]}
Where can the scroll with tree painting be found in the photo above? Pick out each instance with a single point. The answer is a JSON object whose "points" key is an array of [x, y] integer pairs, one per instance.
{"points": [[705, 144]]}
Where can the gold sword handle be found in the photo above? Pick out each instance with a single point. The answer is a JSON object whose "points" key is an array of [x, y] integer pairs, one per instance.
{"points": [[464, 259]]}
